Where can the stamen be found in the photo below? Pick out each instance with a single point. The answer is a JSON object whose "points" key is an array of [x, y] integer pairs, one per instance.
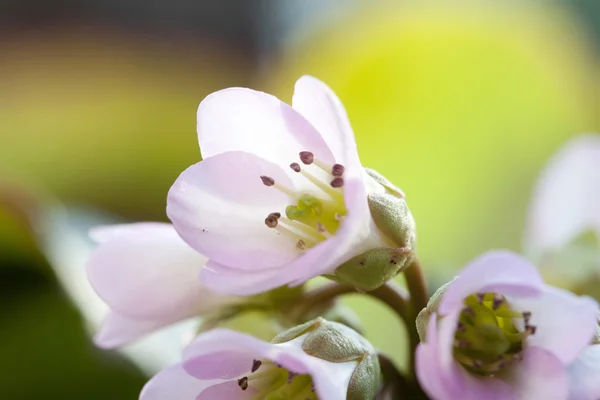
{"points": [[304, 229], [295, 167], [322, 185], [322, 230], [480, 297], [256, 365], [243, 383], [337, 183], [301, 244], [337, 170], [307, 157], [275, 215], [271, 221], [497, 301], [267, 181]]}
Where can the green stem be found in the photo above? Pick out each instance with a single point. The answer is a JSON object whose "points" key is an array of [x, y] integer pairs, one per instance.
{"points": [[417, 287], [390, 293]]}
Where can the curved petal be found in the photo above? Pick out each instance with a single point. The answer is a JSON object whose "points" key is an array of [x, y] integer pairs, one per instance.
{"points": [[226, 280], [564, 323], [173, 383], [565, 200], [497, 271], [243, 119], [229, 390], [539, 375], [146, 271], [219, 207], [331, 379], [118, 330], [324, 110], [584, 375]]}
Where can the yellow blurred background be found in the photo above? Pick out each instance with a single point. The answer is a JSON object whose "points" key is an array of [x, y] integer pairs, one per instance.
{"points": [[458, 103]]}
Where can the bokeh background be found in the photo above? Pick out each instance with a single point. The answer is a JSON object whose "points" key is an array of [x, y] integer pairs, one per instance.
{"points": [[459, 103]]}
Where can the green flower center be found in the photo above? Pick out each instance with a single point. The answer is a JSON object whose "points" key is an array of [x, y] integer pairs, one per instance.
{"points": [[312, 218], [273, 382], [487, 339]]}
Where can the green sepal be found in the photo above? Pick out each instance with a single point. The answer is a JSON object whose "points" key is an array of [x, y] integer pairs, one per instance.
{"points": [[373, 268], [365, 379], [393, 218], [335, 342], [297, 331], [383, 181], [432, 306]]}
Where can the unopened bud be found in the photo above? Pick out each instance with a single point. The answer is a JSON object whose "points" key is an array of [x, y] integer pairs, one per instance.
{"points": [[432, 307], [393, 218], [383, 181], [373, 268]]}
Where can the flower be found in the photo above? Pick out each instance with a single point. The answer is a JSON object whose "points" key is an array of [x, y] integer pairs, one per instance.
{"points": [[149, 278], [565, 200], [280, 196], [501, 333], [228, 365]]}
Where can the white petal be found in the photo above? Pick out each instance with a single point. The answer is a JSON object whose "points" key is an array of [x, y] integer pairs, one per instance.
{"points": [[173, 383], [584, 375], [238, 119], [219, 207], [147, 271], [565, 200]]}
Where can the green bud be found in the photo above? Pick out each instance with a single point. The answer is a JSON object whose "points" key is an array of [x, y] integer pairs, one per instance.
{"points": [[393, 218], [335, 342], [432, 306], [383, 181], [373, 268]]}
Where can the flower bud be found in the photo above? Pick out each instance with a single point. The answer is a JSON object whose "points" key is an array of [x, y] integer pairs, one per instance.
{"points": [[383, 181], [393, 218], [335, 342], [373, 268]]}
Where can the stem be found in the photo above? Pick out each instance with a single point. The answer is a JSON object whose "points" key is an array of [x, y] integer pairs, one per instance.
{"points": [[390, 293], [417, 287]]}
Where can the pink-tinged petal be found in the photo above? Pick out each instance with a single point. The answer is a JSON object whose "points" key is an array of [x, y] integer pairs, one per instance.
{"points": [[219, 207], [146, 271], [497, 271], [444, 379], [174, 383], [238, 119], [565, 323], [117, 329], [565, 200], [225, 280], [324, 110], [584, 375], [229, 390], [331, 379], [539, 375], [223, 364]]}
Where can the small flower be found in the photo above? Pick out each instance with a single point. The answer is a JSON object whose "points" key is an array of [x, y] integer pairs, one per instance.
{"points": [[565, 200], [280, 196], [149, 278], [501, 333], [228, 365]]}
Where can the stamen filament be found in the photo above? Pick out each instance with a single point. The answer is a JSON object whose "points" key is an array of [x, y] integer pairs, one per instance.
{"points": [[309, 241], [336, 195], [303, 228]]}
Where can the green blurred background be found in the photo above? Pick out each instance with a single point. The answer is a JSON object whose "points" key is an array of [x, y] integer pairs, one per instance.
{"points": [[460, 105]]}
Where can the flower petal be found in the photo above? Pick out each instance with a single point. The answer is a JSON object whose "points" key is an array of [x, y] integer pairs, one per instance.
{"points": [[223, 364], [565, 323], [565, 200], [174, 383], [229, 390], [584, 375], [219, 207], [118, 330], [324, 110], [226, 280], [331, 379], [146, 271], [539, 375], [498, 271], [243, 119]]}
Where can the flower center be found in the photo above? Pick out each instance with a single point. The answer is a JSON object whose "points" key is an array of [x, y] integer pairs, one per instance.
{"points": [[311, 218], [273, 382], [486, 338]]}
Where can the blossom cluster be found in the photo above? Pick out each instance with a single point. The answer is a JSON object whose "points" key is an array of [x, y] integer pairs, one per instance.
{"points": [[281, 197]]}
